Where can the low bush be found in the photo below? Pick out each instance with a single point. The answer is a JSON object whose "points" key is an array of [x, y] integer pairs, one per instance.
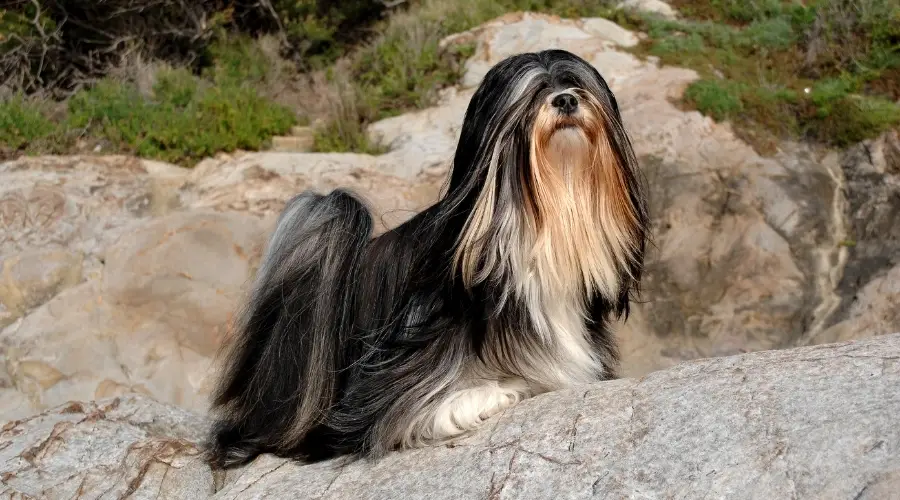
{"points": [[23, 124], [824, 70], [184, 120], [181, 119]]}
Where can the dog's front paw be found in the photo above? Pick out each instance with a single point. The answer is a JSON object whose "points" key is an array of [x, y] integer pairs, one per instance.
{"points": [[497, 404]]}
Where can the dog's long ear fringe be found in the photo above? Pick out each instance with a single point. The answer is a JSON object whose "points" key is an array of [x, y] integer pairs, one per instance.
{"points": [[281, 368]]}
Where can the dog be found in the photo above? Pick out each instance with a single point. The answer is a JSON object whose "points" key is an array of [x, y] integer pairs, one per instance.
{"points": [[358, 345]]}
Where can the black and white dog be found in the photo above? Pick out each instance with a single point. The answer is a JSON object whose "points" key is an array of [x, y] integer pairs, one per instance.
{"points": [[504, 289]]}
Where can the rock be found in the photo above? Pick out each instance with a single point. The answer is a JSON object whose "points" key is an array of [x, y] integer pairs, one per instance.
{"points": [[14, 404], [872, 311], [130, 447], [150, 325], [809, 422], [611, 31], [301, 140], [654, 6], [291, 144], [27, 280], [815, 422], [868, 271], [64, 211], [261, 183]]}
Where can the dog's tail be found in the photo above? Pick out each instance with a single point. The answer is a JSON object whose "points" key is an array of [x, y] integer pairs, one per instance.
{"points": [[281, 368]]}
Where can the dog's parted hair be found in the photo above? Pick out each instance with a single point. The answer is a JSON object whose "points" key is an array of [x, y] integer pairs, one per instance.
{"points": [[505, 288]]}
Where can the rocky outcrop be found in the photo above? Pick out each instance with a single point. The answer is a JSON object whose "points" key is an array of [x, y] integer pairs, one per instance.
{"points": [[119, 275], [131, 447], [811, 422], [869, 279]]}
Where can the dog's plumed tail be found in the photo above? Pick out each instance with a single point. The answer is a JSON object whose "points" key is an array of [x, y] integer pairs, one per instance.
{"points": [[281, 369]]}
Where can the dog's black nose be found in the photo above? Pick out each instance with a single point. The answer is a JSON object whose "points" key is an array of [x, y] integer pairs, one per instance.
{"points": [[566, 103]]}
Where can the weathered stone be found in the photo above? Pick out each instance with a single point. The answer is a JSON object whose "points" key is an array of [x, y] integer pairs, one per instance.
{"points": [[801, 423], [810, 422], [261, 183], [611, 31], [120, 448], [654, 6], [867, 267], [27, 280], [295, 144], [80, 204], [151, 325]]}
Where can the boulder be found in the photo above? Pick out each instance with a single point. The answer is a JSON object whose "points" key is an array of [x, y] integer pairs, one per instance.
{"points": [[129, 447], [652, 6], [868, 274], [58, 214], [151, 324], [808, 422]]}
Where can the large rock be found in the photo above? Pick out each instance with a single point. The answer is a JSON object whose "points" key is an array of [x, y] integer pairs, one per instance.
{"points": [[868, 276], [58, 214], [811, 422], [130, 447], [150, 325]]}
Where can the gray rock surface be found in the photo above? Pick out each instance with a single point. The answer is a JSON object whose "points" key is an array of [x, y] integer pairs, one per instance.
{"points": [[811, 422], [130, 447], [869, 280]]}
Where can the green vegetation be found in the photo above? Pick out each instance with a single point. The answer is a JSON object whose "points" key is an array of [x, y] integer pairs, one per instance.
{"points": [[22, 123], [821, 70], [825, 71], [181, 119], [184, 119]]}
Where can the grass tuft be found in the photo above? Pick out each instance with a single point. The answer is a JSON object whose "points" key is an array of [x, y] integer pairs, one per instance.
{"points": [[184, 120], [22, 124]]}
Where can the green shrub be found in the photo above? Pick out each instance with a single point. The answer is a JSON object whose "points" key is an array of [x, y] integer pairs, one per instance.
{"points": [[720, 99], [185, 120], [823, 70], [237, 59], [22, 123], [318, 31], [852, 118]]}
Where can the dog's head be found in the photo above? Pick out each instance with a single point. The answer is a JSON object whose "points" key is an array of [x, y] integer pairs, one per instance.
{"points": [[544, 159]]}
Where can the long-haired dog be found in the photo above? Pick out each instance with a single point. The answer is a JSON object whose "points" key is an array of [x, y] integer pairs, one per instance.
{"points": [[504, 289]]}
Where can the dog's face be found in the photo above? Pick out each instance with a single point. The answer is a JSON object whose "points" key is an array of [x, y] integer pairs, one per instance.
{"points": [[544, 160]]}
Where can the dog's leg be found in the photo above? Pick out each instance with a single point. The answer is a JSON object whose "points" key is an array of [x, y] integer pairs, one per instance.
{"points": [[464, 410]]}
